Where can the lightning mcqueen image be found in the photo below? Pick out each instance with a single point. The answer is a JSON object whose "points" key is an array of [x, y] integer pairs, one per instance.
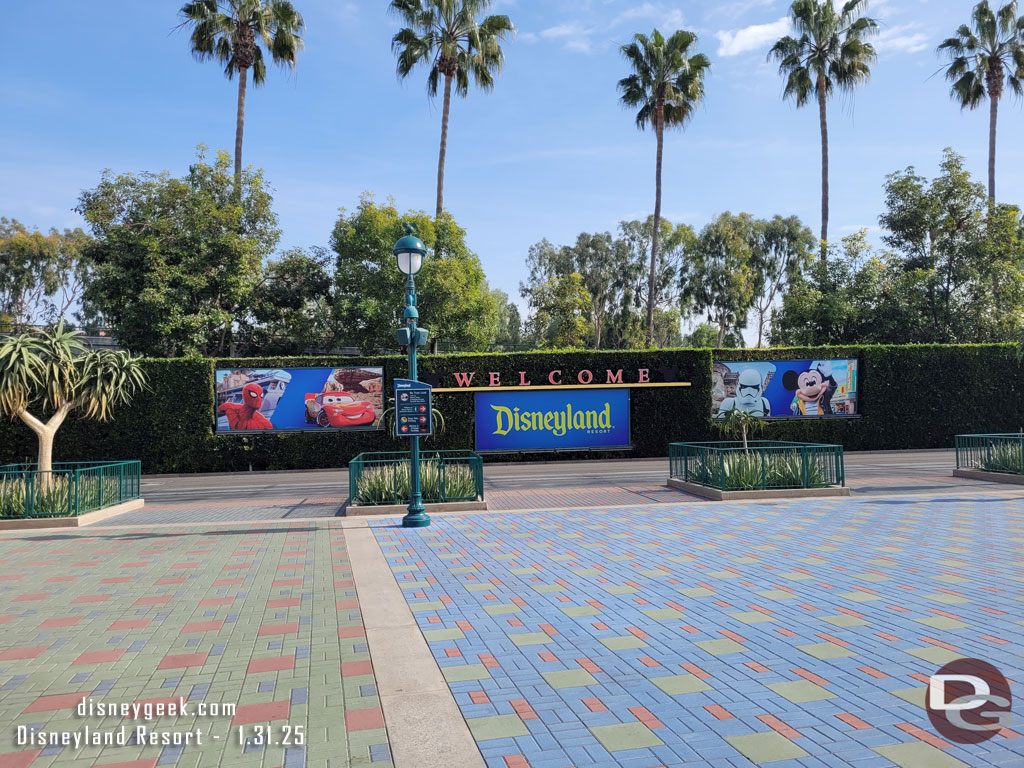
{"points": [[336, 409]]}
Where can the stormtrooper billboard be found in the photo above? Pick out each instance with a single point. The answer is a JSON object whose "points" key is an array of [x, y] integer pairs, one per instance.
{"points": [[786, 389]]}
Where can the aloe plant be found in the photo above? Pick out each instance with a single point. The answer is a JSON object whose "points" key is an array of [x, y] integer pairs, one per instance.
{"points": [[392, 483]]}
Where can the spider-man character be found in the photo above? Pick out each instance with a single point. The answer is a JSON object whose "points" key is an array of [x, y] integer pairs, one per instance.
{"points": [[246, 415]]}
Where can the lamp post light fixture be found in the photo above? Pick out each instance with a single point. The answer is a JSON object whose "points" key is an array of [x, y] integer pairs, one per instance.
{"points": [[409, 251]]}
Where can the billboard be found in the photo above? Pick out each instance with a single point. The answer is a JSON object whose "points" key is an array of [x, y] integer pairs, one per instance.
{"points": [[258, 399], [785, 389], [552, 419]]}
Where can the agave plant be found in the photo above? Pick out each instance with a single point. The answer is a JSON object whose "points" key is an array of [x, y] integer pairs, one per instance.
{"points": [[392, 483], [1005, 457]]}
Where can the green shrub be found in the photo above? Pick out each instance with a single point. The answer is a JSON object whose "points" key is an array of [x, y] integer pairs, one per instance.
{"points": [[739, 471], [1004, 457], [20, 497], [392, 483]]}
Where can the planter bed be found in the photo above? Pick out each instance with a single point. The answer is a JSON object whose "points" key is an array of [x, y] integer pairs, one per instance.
{"points": [[73, 492], [997, 458], [763, 469], [447, 478]]}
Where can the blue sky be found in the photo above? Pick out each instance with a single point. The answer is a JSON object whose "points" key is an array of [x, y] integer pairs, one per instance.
{"points": [[549, 153]]}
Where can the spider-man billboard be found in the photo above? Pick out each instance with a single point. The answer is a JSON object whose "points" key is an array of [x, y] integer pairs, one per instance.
{"points": [[259, 399], [785, 389]]}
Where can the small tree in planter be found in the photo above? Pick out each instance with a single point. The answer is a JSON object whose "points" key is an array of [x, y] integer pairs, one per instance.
{"points": [[53, 372], [739, 423]]}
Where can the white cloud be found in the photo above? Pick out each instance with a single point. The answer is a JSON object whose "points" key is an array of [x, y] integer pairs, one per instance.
{"points": [[527, 37], [666, 18], [905, 38], [757, 36], [573, 36], [738, 8]]}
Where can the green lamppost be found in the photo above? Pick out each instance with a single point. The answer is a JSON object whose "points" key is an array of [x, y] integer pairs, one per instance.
{"points": [[410, 252]]}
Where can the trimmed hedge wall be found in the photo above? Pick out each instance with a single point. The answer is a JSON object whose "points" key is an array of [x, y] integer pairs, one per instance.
{"points": [[910, 397]]}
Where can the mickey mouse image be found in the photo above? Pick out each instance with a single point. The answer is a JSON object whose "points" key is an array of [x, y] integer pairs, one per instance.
{"points": [[814, 388]]}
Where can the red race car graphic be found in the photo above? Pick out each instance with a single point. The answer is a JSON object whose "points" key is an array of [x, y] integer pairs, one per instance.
{"points": [[336, 409]]}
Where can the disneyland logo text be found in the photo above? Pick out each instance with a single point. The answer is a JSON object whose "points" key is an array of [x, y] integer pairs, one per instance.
{"points": [[555, 378], [555, 422]]}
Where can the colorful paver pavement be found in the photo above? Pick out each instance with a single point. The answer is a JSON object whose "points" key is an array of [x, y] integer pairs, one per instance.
{"points": [[262, 616], [792, 634]]}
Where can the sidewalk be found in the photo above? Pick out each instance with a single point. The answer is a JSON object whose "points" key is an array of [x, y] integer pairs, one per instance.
{"points": [[674, 634]]}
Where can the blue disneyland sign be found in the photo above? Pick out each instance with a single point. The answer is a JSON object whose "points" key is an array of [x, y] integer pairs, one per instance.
{"points": [[547, 420]]}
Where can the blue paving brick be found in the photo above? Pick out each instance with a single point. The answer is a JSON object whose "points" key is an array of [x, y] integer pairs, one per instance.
{"points": [[721, 567]]}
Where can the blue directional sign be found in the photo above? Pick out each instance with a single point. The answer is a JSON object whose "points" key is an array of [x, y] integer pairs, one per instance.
{"points": [[413, 409]]}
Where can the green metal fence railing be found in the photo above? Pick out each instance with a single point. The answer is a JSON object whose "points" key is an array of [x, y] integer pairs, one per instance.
{"points": [[991, 453], [70, 489], [384, 478], [763, 465]]}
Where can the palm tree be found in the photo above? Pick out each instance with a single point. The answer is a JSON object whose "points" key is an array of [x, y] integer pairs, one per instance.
{"points": [[667, 84], [53, 372], [831, 52], [979, 59], [231, 32], [446, 35]]}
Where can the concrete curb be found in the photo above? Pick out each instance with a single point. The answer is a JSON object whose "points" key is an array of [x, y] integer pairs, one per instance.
{"points": [[787, 493], [401, 509], [33, 523], [424, 724], [991, 477]]}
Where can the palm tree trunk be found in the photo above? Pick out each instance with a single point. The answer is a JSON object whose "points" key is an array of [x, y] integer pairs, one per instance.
{"points": [[655, 235], [239, 126], [824, 168], [444, 144], [993, 116]]}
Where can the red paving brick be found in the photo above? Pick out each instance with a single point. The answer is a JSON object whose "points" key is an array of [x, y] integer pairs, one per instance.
{"points": [[261, 713], [363, 719], [179, 660], [270, 664]]}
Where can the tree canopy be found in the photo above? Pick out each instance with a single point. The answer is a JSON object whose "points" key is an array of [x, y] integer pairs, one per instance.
{"points": [[174, 261], [455, 302]]}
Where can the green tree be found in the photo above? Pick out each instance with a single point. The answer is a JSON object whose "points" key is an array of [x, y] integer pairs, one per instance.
{"points": [[173, 263], [831, 52], [953, 271], [720, 280], [448, 36], [560, 318], [782, 249], [455, 302], [597, 258], [984, 56], [40, 275], [290, 309], [510, 322], [667, 84], [705, 335], [963, 255], [673, 244], [835, 301], [54, 373], [231, 31]]}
